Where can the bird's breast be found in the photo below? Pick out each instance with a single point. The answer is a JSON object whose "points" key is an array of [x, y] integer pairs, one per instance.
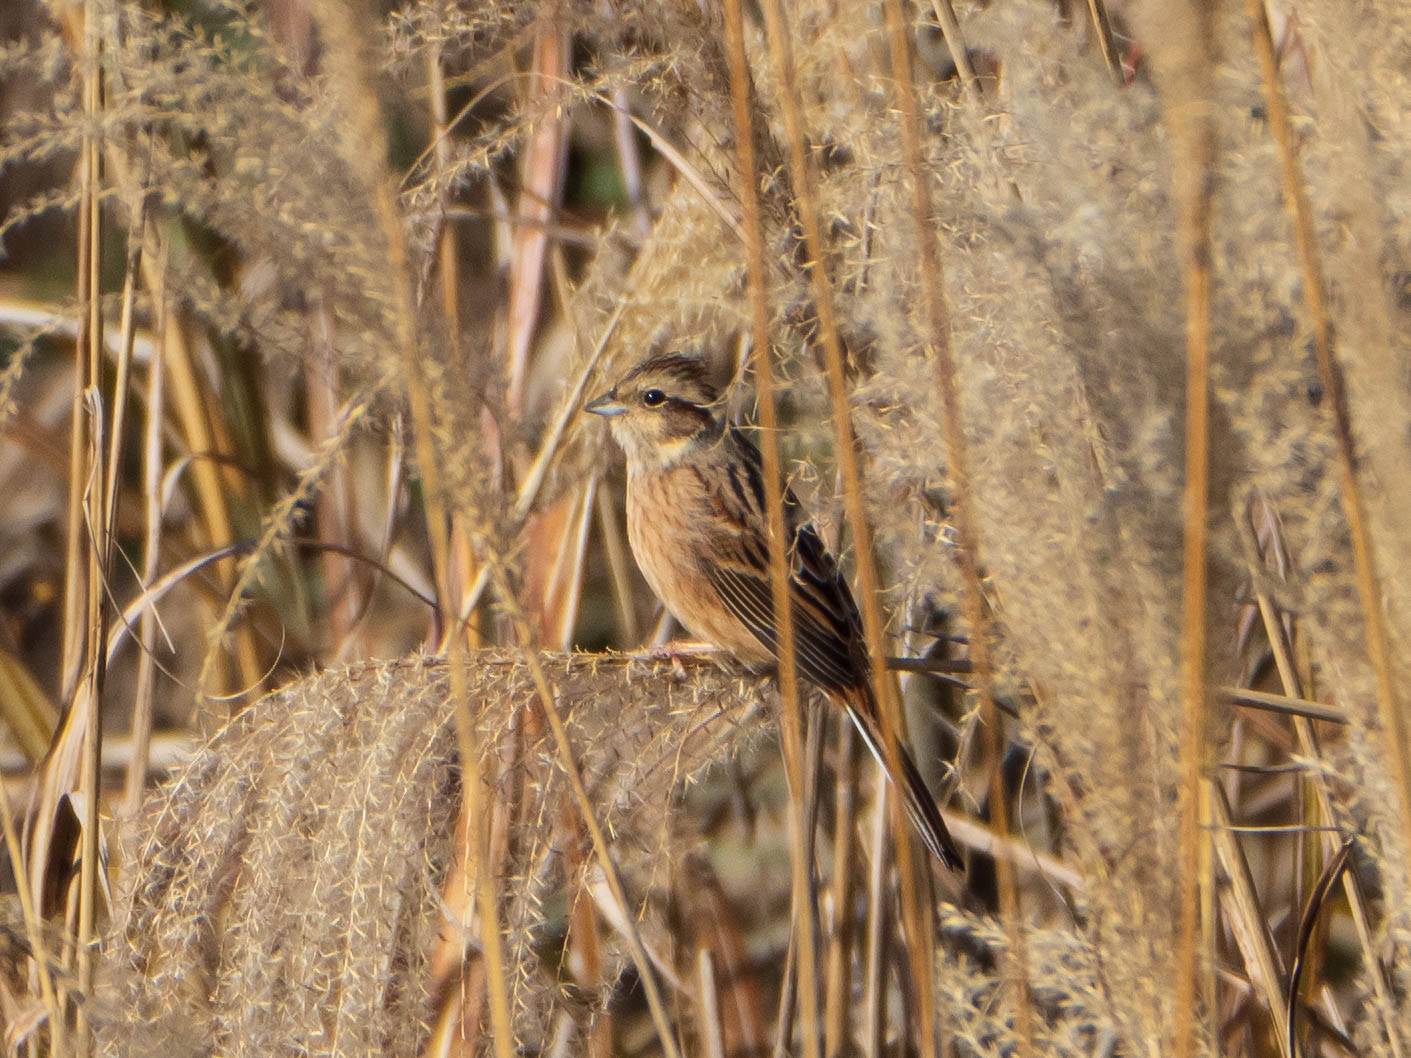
{"points": [[673, 527]]}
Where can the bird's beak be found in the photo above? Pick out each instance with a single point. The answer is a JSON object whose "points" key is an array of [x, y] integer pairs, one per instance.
{"points": [[605, 405]]}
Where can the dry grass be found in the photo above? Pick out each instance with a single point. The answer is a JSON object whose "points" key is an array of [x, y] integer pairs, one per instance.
{"points": [[310, 404]]}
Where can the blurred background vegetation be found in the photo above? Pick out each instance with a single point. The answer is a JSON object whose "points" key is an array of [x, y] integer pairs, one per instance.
{"points": [[299, 302]]}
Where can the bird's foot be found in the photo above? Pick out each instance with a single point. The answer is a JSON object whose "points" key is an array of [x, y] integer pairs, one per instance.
{"points": [[676, 651]]}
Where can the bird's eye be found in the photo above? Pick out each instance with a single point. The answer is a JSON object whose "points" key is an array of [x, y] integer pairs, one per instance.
{"points": [[654, 398]]}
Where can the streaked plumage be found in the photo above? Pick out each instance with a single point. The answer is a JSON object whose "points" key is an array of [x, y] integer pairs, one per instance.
{"points": [[697, 526]]}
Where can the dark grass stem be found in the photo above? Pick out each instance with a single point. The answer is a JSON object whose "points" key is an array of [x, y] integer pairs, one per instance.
{"points": [[1310, 749], [967, 550], [1335, 869]]}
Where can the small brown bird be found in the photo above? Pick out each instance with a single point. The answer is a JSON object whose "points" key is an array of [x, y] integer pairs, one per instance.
{"points": [[697, 525]]}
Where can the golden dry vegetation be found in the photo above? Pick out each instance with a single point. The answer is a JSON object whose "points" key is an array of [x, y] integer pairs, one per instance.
{"points": [[329, 720]]}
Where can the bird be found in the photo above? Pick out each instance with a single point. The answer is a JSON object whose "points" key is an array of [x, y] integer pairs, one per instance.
{"points": [[697, 527]]}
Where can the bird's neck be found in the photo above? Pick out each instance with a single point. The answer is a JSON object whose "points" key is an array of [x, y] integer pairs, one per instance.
{"points": [[675, 450]]}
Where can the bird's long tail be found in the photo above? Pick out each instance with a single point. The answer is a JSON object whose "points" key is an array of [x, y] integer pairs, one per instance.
{"points": [[916, 797]]}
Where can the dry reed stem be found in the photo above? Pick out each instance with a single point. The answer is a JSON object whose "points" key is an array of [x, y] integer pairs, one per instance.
{"points": [[1189, 89], [141, 728], [75, 601], [446, 259], [541, 175], [799, 841], [955, 41], [549, 704], [203, 435], [1287, 704], [1247, 918], [967, 549], [837, 983], [94, 529], [1393, 717], [349, 50], [1102, 26], [804, 183], [619, 565], [1309, 748]]}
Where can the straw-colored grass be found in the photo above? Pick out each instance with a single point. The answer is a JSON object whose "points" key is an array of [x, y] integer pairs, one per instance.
{"points": [[1082, 330]]}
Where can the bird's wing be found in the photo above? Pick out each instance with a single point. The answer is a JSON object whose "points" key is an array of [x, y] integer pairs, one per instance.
{"points": [[828, 641], [827, 628]]}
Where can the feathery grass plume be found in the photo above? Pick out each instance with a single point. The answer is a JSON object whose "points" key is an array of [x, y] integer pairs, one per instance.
{"points": [[285, 891]]}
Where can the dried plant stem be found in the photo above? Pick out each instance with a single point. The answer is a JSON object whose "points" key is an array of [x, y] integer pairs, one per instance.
{"points": [[711, 1027], [799, 843], [615, 548], [342, 27], [967, 550], [549, 703], [203, 440], [955, 41], [1309, 748], [884, 684], [1390, 709], [837, 991], [542, 179], [1102, 25], [141, 732], [33, 932], [202, 432], [447, 258], [1194, 151], [461, 558], [151, 552], [876, 937], [1247, 918], [562, 532], [95, 535], [72, 657]]}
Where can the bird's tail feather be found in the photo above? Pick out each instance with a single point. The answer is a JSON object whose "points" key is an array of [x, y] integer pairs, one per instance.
{"points": [[915, 795]]}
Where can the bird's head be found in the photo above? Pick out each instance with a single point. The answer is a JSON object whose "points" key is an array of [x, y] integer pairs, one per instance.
{"points": [[661, 410]]}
